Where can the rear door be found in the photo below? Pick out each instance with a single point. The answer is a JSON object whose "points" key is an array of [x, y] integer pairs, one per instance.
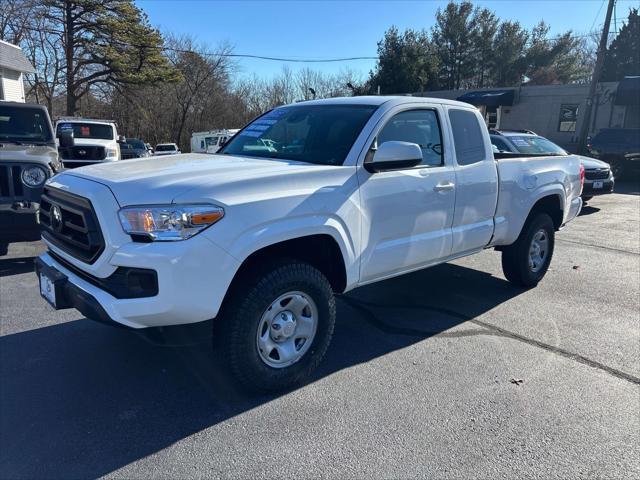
{"points": [[476, 178], [407, 214]]}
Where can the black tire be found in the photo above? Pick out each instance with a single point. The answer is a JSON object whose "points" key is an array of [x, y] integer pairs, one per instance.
{"points": [[4, 248], [618, 170], [515, 257], [586, 199], [241, 318]]}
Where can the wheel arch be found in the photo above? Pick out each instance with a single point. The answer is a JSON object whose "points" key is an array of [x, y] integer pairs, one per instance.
{"points": [[551, 204], [322, 251]]}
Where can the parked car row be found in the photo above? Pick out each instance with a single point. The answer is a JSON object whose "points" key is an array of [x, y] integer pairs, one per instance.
{"points": [[599, 176]]}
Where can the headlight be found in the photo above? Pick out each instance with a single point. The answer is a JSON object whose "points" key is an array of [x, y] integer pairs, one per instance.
{"points": [[112, 154], [33, 176], [168, 223]]}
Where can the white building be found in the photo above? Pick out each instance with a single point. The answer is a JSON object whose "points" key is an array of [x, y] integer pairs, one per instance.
{"points": [[13, 66]]}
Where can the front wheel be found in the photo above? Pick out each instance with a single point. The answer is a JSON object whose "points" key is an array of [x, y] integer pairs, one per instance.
{"points": [[277, 326], [526, 261]]}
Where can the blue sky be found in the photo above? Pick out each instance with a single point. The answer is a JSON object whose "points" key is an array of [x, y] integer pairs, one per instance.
{"points": [[329, 29]]}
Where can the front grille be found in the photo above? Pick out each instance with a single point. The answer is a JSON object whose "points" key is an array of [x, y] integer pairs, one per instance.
{"points": [[69, 222], [124, 155], [599, 174], [76, 164], [82, 152], [10, 182]]}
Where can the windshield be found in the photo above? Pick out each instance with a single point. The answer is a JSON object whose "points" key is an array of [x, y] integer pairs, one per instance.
{"points": [[539, 145], [28, 125], [133, 143], [165, 148], [321, 134], [95, 131]]}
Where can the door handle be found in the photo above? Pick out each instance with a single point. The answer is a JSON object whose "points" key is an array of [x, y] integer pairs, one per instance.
{"points": [[443, 187]]}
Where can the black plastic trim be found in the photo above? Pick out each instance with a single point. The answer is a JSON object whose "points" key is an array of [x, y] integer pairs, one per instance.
{"points": [[124, 283]]}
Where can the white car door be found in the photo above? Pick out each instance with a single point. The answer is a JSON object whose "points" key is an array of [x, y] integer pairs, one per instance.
{"points": [[476, 181], [407, 214]]}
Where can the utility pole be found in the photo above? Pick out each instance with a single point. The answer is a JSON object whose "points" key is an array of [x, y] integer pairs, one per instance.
{"points": [[597, 70]]}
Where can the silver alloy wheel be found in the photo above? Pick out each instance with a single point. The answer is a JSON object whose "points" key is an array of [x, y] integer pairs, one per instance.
{"points": [[538, 250], [286, 329]]}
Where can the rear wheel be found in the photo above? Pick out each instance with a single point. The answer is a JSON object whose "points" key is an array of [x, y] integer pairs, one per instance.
{"points": [[277, 326], [4, 248], [526, 261]]}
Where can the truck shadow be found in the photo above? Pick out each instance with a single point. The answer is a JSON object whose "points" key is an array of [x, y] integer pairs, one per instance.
{"points": [[79, 399], [16, 266]]}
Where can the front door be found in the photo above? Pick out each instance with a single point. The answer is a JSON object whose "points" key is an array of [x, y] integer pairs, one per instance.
{"points": [[408, 214]]}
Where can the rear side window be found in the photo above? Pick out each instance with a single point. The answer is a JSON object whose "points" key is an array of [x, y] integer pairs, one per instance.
{"points": [[467, 137]]}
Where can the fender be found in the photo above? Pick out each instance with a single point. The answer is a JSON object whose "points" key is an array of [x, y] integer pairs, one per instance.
{"points": [[511, 217], [290, 228]]}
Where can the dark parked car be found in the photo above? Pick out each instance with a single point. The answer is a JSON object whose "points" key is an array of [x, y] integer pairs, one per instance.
{"points": [[620, 148], [599, 178], [133, 148]]}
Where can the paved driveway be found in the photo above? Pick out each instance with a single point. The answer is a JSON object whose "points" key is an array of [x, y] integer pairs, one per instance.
{"points": [[448, 373]]}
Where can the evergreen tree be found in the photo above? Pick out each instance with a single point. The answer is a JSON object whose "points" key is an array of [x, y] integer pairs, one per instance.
{"points": [[623, 55]]}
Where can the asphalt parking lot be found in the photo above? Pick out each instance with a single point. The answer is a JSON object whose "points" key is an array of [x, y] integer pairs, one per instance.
{"points": [[446, 373]]}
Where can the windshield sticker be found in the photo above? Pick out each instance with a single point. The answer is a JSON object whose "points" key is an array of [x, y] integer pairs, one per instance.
{"points": [[520, 142], [260, 128], [249, 133], [263, 121]]}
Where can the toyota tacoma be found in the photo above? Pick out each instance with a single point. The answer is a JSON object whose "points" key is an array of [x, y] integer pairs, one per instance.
{"points": [[306, 201]]}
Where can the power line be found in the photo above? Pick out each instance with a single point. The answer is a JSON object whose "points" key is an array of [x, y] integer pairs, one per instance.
{"points": [[292, 59], [597, 15]]}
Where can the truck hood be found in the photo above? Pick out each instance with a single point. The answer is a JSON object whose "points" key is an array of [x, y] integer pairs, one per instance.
{"points": [[198, 177], [592, 163], [42, 154]]}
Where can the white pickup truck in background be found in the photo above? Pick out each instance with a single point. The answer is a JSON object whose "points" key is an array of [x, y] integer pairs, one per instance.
{"points": [[94, 141], [307, 200]]}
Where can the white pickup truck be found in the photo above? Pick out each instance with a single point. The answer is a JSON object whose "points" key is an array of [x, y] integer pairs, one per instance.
{"points": [[94, 141], [307, 200]]}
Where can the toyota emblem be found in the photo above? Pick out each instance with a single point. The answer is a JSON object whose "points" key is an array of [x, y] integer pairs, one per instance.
{"points": [[56, 218], [82, 152]]}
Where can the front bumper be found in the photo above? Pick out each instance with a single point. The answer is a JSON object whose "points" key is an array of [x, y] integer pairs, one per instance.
{"points": [[607, 187], [193, 277]]}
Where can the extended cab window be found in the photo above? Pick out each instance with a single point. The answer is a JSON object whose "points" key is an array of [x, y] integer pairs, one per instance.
{"points": [[322, 134], [467, 137], [416, 126]]}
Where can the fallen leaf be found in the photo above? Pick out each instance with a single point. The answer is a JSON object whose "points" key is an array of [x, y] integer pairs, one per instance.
{"points": [[517, 381]]}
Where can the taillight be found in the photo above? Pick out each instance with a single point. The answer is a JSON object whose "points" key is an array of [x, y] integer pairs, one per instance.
{"points": [[581, 178]]}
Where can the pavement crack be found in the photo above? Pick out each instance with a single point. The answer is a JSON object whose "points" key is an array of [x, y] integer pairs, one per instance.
{"points": [[612, 249], [371, 317]]}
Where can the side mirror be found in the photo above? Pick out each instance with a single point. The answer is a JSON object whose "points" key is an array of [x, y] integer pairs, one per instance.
{"points": [[122, 139], [66, 138], [394, 156]]}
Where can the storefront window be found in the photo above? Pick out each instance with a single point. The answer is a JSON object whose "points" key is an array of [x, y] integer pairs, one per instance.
{"points": [[568, 118]]}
